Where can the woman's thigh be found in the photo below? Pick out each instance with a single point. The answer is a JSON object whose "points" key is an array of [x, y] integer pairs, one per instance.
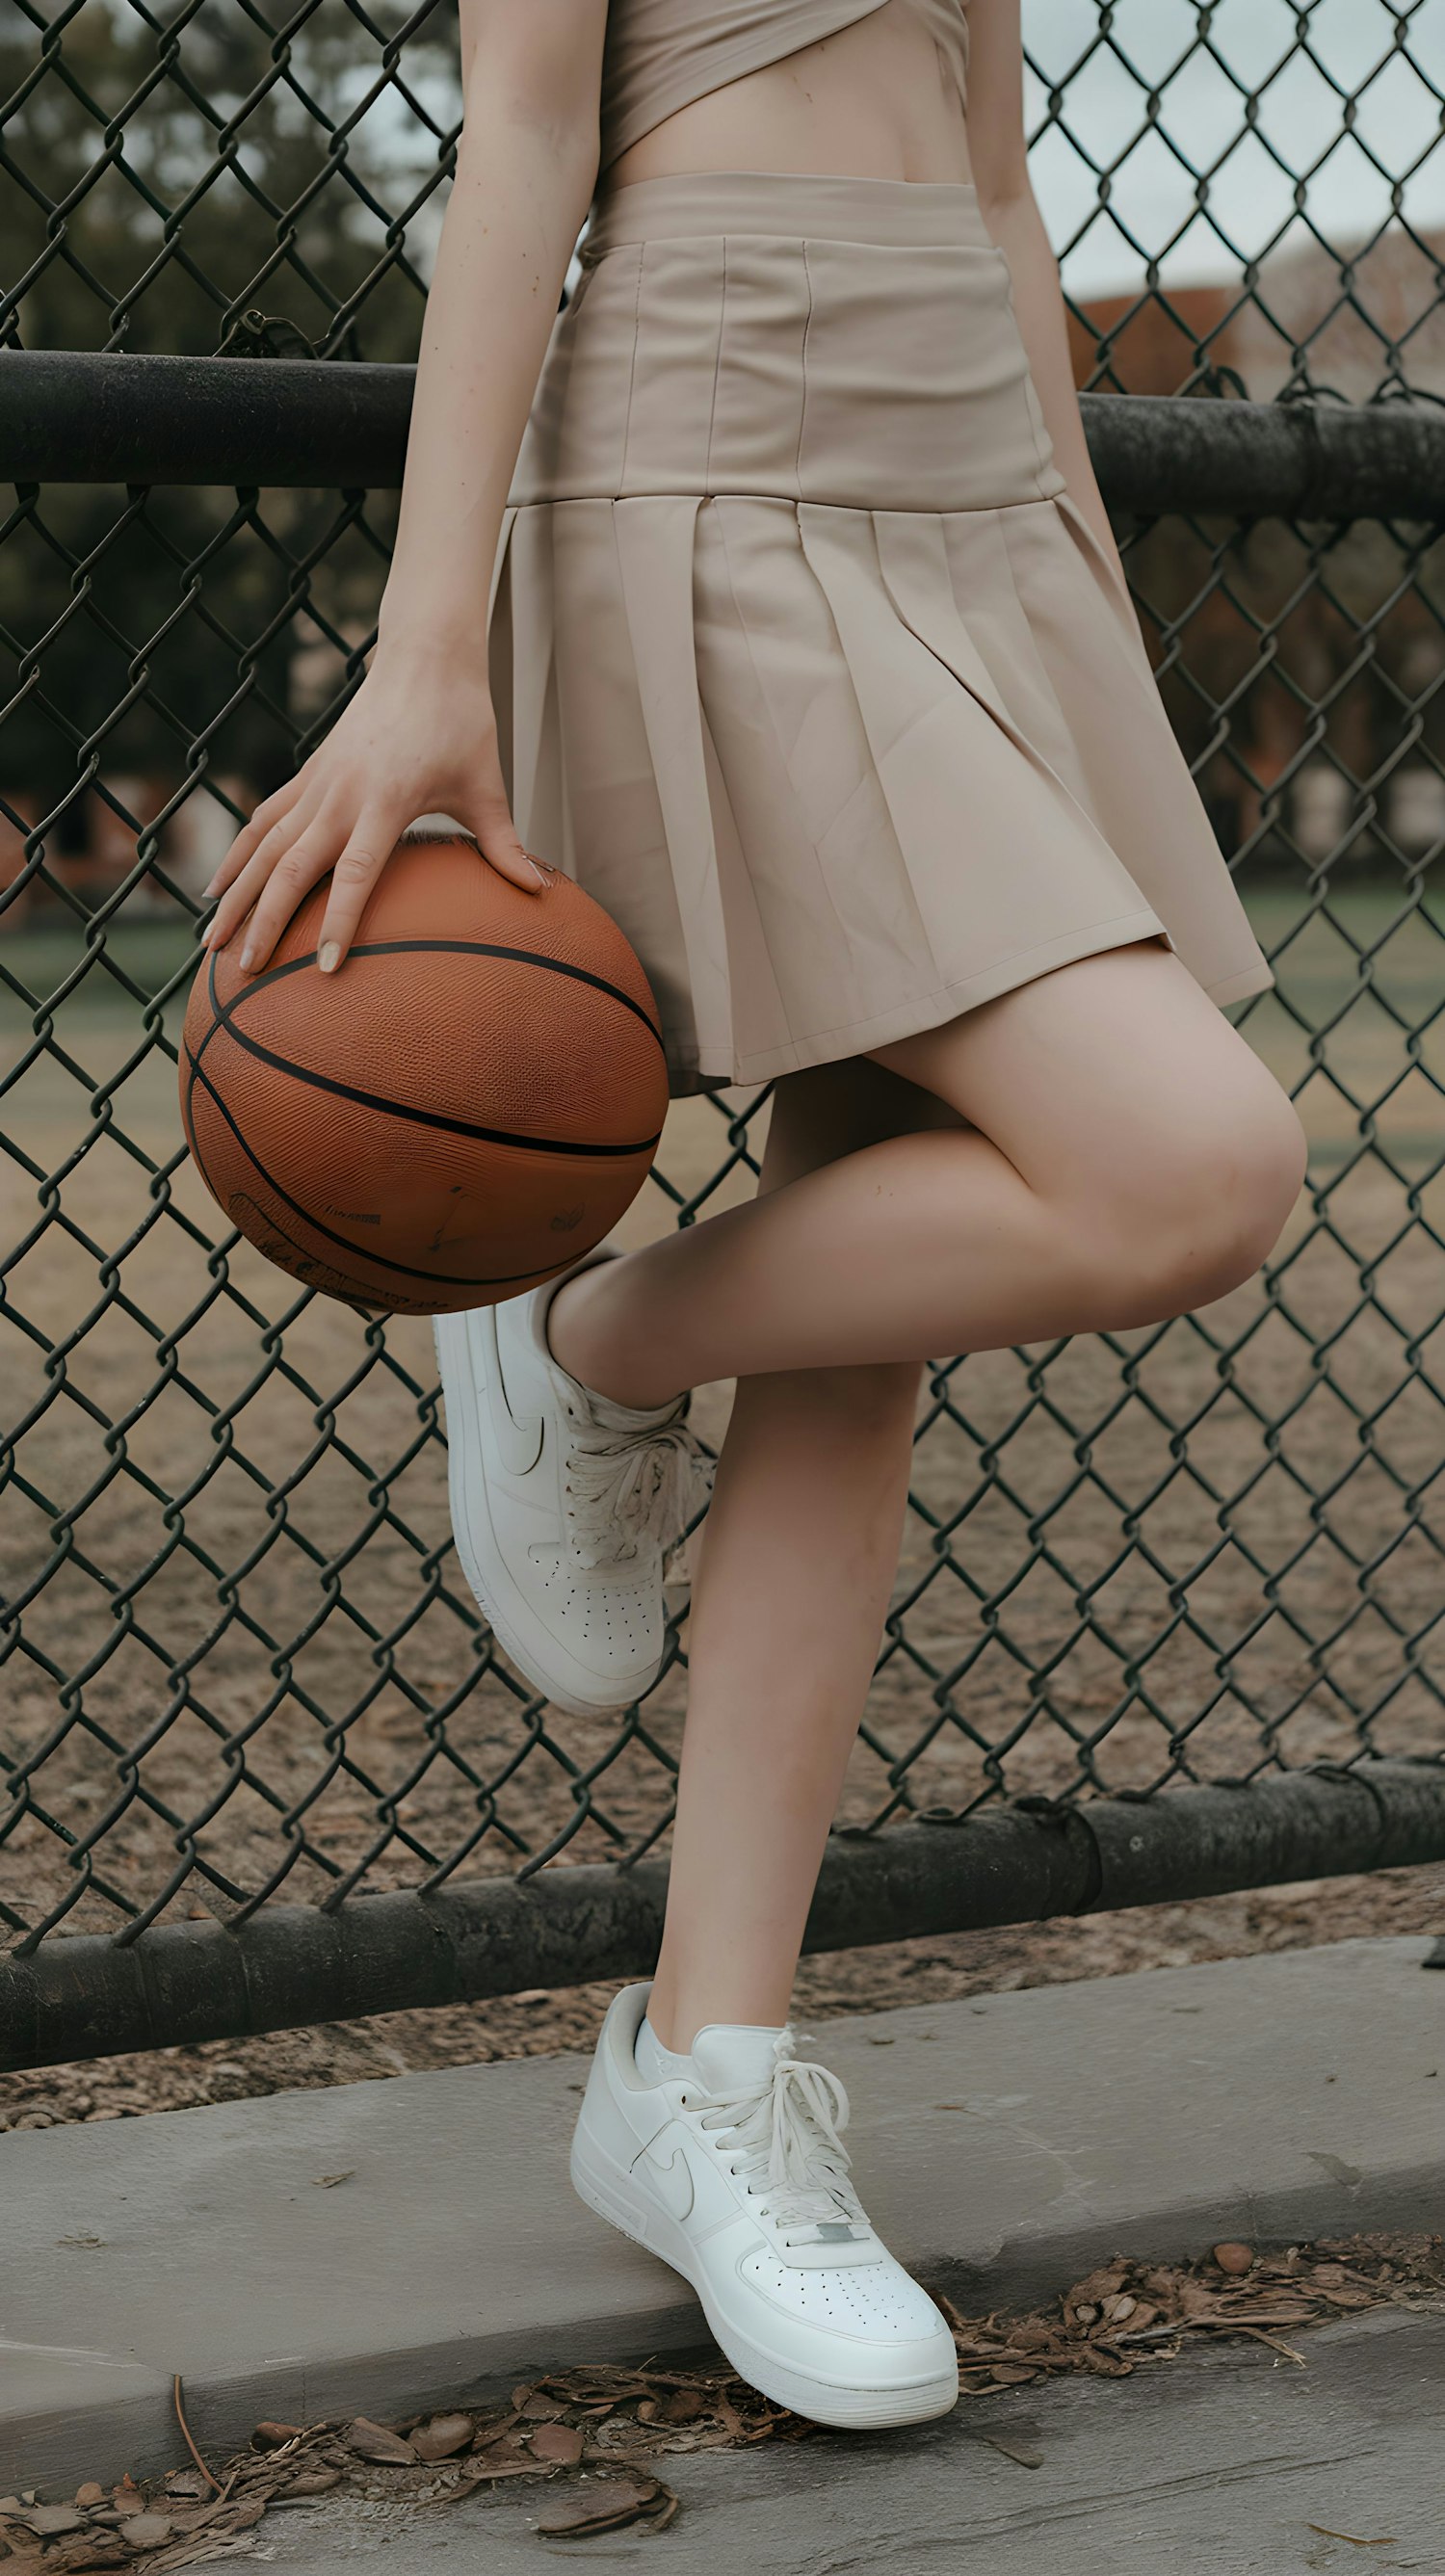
{"points": [[835, 1109], [1114, 1077]]}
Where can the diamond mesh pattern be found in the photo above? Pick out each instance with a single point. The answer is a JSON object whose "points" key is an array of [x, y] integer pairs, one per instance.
{"points": [[239, 1660]]}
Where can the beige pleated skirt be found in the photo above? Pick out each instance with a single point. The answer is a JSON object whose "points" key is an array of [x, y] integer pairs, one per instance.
{"points": [[805, 664]]}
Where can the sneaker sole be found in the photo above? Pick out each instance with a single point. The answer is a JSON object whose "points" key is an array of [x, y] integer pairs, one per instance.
{"points": [[478, 1553], [611, 2193]]}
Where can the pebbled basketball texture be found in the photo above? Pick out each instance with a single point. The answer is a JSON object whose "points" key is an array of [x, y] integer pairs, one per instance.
{"points": [[468, 1105]]}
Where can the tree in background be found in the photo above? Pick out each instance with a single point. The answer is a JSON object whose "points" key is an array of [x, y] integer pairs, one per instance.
{"points": [[196, 182]]}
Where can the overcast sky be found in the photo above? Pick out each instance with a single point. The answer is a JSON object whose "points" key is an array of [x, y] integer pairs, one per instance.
{"points": [[1300, 131]]}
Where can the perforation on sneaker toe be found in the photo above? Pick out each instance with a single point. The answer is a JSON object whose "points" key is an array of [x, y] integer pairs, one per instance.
{"points": [[873, 2301], [622, 1619]]}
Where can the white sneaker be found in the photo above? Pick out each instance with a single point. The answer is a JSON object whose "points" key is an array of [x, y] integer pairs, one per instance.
{"points": [[565, 1506], [736, 2175]]}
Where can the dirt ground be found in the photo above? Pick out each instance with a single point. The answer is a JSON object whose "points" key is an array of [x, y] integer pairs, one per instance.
{"points": [[843, 1981]]}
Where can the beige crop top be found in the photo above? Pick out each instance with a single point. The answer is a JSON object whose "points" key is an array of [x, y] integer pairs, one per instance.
{"points": [[660, 55]]}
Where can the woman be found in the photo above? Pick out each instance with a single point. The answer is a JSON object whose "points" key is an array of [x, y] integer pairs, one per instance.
{"points": [[808, 650]]}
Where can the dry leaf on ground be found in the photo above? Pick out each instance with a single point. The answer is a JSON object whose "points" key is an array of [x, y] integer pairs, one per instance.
{"points": [[504, 2457], [377, 2442], [559, 2443], [441, 2436], [612, 2502]]}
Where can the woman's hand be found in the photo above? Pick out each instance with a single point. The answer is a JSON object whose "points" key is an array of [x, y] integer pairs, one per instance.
{"points": [[419, 737]]}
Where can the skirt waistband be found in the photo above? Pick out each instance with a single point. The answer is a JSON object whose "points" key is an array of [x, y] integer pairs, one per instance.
{"points": [[801, 337], [797, 204]]}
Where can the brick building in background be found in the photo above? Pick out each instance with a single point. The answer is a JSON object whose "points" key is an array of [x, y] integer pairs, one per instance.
{"points": [[1348, 333]]}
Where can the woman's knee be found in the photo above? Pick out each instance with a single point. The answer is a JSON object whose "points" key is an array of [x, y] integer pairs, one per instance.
{"points": [[1187, 1215], [1166, 1152]]}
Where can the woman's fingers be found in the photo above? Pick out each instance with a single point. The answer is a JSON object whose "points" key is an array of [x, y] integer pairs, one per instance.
{"points": [[271, 811], [370, 843], [244, 889], [344, 814], [295, 872], [488, 818]]}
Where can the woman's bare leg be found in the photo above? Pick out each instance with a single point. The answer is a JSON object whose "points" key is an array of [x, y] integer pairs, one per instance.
{"points": [[1129, 1158], [1108, 1179], [787, 1610]]}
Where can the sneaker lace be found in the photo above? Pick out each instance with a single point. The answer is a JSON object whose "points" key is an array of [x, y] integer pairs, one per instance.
{"points": [[787, 2135], [628, 1486]]}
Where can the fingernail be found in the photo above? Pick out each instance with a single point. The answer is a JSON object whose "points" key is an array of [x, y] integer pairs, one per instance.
{"points": [[208, 890], [248, 958], [328, 956], [542, 875]]}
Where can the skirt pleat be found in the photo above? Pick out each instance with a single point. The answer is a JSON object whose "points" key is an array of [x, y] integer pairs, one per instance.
{"points": [[840, 767]]}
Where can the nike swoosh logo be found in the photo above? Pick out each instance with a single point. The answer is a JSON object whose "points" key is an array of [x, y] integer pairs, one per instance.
{"points": [[672, 2181], [519, 1441]]}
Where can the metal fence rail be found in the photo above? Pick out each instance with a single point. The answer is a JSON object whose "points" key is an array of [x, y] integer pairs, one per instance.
{"points": [[242, 1681], [291, 1964], [67, 416]]}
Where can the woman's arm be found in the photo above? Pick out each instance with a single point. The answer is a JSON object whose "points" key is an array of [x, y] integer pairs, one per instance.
{"points": [[420, 736], [526, 166], [999, 158]]}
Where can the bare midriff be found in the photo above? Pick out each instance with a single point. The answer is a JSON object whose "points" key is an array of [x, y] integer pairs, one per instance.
{"points": [[879, 100]]}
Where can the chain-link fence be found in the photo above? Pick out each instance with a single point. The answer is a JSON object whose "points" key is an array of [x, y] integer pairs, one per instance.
{"points": [[239, 1663]]}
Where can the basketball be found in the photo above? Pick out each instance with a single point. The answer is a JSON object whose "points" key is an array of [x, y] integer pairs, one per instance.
{"points": [[467, 1105]]}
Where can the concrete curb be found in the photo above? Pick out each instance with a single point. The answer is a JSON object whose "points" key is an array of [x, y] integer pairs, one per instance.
{"points": [[1003, 2143]]}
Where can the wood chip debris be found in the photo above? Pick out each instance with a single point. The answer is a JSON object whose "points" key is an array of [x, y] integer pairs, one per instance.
{"points": [[442, 2436], [1129, 2313], [378, 2442], [590, 2434]]}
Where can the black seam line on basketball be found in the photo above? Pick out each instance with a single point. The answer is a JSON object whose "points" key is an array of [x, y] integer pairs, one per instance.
{"points": [[429, 1117], [455, 948], [218, 1020], [193, 1057], [358, 1251]]}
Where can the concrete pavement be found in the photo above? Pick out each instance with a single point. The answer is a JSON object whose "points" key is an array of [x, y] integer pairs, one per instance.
{"points": [[385, 2246], [1226, 2462]]}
